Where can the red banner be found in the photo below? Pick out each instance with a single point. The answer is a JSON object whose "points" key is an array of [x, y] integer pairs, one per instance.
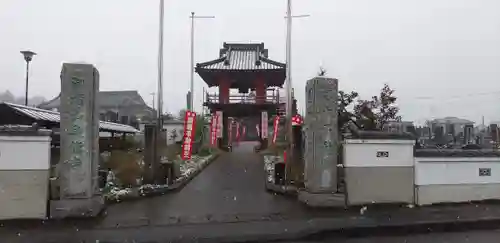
{"points": [[237, 131], [275, 128], [297, 120], [230, 131], [213, 130], [220, 117], [189, 132]]}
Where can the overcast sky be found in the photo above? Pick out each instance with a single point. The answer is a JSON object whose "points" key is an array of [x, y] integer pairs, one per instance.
{"points": [[445, 50]]}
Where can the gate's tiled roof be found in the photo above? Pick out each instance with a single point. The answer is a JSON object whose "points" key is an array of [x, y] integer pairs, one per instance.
{"points": [[242, 57]]}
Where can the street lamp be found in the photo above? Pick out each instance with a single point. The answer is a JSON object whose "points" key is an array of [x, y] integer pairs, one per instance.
{"points": [[28, 56], [193, 16]]}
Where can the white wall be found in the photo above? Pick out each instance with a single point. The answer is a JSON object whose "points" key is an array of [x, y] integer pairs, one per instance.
{"points": [[24, 176], [455, 171], [381, 179], [24, 153], [454, 180], [169, 127], [179, 128], [363, 153]]}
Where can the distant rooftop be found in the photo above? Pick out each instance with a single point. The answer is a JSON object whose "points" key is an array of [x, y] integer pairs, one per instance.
{"points": [[105, 99], [25, 115], [452, 120]]}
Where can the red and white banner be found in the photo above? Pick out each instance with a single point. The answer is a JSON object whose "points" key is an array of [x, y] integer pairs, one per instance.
{"points": [[275, 128], [213, 130], [297, 120], [237, 131], [230, 131], [264, 125], [219, 123], [189, 132]]}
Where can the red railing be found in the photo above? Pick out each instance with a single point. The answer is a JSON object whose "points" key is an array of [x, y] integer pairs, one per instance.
{"points": [[243, 99]]}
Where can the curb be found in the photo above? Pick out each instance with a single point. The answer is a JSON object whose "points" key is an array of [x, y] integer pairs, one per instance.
{"points": [[270, 231], [316, 231], [162, 191], [396, 229]]}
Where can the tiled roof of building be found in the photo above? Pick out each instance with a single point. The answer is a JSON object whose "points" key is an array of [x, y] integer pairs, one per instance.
{"points": [[105, 99], [242, 57], [54, 117]]}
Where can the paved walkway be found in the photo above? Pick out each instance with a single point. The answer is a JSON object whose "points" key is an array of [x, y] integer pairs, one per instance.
{"points": [[230, 189]]}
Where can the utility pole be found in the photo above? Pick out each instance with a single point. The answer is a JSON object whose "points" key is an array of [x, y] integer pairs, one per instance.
{"points": [[191, 71], [153, 175], [160, 67], [289, 86]]}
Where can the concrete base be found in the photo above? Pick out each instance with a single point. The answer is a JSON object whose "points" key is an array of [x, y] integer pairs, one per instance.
{"points": [[322, 199], [76, 208], [462, 193], [281, 189], [380, 184]]}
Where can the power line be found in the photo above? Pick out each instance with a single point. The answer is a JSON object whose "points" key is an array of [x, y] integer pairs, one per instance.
{"points": [[456, 96]]}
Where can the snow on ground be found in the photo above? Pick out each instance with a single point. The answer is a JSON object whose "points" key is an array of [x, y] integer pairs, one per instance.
{"points": [[187, 168]]}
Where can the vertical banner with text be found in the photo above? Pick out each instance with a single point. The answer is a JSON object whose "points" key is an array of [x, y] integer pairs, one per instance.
{"points": [[275, 128], [213, 130], [237, 131], [230, 132], [219, 123], [189, 132], [264, 125]]}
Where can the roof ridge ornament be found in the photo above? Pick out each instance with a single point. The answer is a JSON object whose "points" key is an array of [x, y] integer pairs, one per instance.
{"points": [[228, 56], [257, 56]]}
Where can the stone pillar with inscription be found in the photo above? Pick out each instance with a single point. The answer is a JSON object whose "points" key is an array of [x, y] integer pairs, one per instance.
{"points": [[321, 144], [79, 131]]}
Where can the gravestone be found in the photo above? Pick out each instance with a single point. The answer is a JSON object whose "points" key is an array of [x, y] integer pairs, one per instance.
{"points": [[78, 166], [321, 143]]}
